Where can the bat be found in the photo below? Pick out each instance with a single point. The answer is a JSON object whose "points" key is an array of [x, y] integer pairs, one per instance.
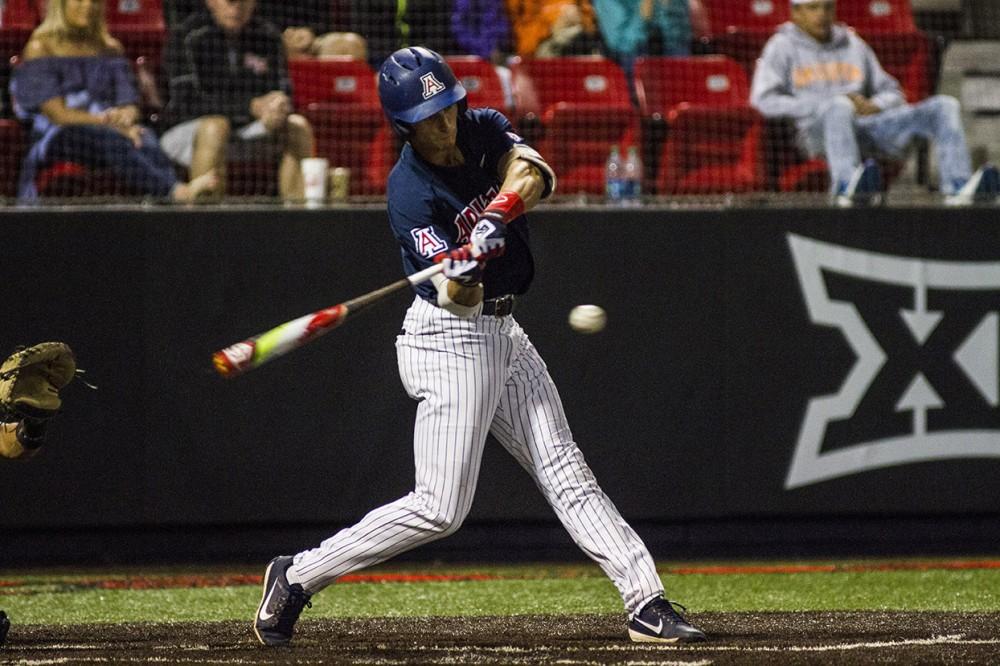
{"points": [[278, 341]]}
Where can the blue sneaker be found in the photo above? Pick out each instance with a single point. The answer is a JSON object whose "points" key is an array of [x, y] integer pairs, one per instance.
{"points": [[658, 622], [280, 605], [863, 189], [982, 187]]}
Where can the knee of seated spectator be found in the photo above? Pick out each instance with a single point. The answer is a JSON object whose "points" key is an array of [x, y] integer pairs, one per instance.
{"points": [[839, 107], [946, 105], [342, 43], [212, 130]]}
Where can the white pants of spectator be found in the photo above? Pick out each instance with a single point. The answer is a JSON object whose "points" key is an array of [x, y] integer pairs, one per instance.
{"points": [[843, 137]]}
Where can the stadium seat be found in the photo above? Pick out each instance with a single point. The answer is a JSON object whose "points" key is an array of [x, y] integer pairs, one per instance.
{"points": [[17, 19], [339, 96], [140, 26], [870, 17], [740, 28], [712, 139], [481, 81], [573, 109]]}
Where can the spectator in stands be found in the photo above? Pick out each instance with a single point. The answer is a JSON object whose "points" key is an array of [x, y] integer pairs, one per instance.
{"points": [[76, 88], [307, 29], [552, 28], [830, 82], [632, 28], [481, 28], [388, 25], [230, 96]]}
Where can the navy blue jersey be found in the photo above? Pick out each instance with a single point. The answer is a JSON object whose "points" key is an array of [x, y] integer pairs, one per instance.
{"points": [[433, 209]]}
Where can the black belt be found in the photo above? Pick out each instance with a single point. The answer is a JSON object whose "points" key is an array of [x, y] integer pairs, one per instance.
{"points": [[499, 307]]}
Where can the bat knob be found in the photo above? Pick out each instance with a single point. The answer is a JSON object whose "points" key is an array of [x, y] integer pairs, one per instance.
{"points": [[233, 360]]}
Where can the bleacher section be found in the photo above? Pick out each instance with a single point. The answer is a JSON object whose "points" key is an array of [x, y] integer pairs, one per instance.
{"points": [[690, 115]]}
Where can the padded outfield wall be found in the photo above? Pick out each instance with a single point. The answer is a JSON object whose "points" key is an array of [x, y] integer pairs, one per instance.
{"points": [[770, 381]]}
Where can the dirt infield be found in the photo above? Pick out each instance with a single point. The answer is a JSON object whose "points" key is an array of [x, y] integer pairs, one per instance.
{"points": [[735, 638]]}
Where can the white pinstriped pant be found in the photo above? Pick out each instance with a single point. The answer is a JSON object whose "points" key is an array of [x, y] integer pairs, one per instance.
{"points": [[473, 377]]}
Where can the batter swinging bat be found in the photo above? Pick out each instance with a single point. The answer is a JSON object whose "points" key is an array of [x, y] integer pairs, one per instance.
{"points": [[258, 350]]}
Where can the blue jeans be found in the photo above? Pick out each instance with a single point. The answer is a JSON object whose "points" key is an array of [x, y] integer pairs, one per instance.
{"points": [[843, 136], [145, 169]]}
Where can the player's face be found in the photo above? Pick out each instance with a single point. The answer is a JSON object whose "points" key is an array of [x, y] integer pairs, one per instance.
{"points": [[82, 14], [815, 18], [231, 15], [440, 130]]}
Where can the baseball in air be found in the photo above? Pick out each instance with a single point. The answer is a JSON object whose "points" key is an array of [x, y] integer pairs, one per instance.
{"points": [[587, 319]]}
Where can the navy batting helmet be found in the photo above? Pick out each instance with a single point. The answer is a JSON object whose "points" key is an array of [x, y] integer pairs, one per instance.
{"points": [[414, 83]]}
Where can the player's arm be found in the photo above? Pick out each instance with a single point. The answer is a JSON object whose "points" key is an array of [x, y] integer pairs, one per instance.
{"points": [[524, 172], [526, 179]]}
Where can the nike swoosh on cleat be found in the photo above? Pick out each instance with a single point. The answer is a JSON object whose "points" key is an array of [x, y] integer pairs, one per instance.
{"points": [[657, 629], [264, 615]]}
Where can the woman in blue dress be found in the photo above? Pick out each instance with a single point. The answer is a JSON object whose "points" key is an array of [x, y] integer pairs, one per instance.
{"points": [[75, 87]]}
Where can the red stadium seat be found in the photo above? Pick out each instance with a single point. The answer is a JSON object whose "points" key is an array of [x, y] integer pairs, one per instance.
{"points": [[740, 28], [712, 136], [140, 26], [17, 19], [339, 97], [870, 17], [912, 58], [480, 80], [582, 107]]}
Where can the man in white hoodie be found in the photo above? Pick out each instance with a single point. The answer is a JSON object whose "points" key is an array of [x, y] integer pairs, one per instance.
{"points": [[845, 105]]}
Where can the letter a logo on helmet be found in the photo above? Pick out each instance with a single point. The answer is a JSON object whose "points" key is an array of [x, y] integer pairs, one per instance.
{"points": [[431, 85], [415, 83]]}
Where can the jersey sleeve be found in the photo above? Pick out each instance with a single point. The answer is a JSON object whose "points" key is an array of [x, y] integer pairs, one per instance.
{"points": [[419, 231], [499, 136]]}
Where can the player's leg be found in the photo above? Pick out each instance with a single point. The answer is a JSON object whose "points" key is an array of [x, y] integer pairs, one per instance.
{"points": [[455, 368], [531, 424]]}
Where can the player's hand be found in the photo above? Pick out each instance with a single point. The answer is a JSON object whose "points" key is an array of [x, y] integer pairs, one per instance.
{"points": [[489, 237], [461, 266]]}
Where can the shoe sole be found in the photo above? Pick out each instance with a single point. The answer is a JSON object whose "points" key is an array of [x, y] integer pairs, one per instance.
{"points": [[263, 596], [639, 637]]}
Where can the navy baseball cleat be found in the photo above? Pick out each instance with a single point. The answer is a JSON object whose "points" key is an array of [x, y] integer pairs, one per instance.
{"points": [[4, 626], [658, 622], [280, 605]]}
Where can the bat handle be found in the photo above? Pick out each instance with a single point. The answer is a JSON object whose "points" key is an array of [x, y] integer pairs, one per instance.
{"points": [[425, 275]]}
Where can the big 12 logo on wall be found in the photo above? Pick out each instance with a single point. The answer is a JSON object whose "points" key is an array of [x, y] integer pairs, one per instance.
{"points": [[924, 382]]}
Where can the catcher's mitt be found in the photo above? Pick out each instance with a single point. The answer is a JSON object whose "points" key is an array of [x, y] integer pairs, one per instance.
{"points": [[30, 379]]}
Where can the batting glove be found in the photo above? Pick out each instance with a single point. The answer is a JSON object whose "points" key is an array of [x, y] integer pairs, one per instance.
{"points": [[462, 267], [488, 237]]}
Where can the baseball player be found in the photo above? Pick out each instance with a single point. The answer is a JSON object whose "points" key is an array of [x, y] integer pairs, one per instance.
{"points": [[30, 380], [458, 194]]}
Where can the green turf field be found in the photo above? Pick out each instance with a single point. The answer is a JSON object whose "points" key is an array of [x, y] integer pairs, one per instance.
{"points": [[41, 598]]}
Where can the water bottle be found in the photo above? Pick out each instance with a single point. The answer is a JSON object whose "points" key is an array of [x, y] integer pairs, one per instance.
{"points": [[632, 177], [614, 183]]}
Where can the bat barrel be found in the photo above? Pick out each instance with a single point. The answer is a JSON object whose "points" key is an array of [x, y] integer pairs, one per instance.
{"points": [[254, 352]]}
